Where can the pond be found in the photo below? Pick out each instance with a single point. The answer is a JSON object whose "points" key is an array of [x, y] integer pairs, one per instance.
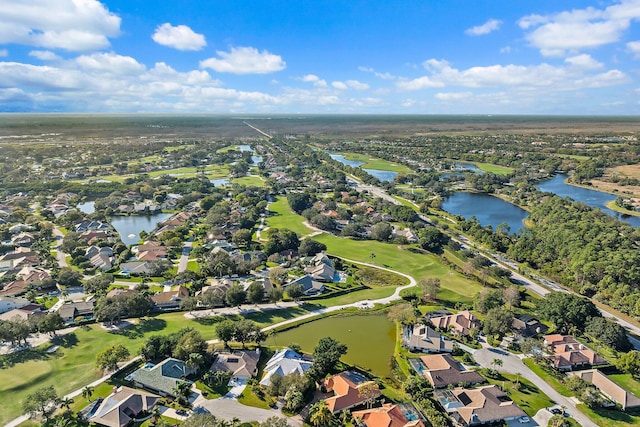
{"points": [[221, 182], [487, 209], [379, 174], [340, 158], [244, 147], [370, 339], [130, 227], [470, 167], [87, 207], [593, 198]]}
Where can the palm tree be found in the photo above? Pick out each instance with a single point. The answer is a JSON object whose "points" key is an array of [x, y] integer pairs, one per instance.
{"points": [[183, 390], [194, 360], [496, 362], [273, 334], [320, 415], [87, 392], [66, 403]]}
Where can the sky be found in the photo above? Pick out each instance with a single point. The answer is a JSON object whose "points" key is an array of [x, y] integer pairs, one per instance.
{"points": [[321, 56]]}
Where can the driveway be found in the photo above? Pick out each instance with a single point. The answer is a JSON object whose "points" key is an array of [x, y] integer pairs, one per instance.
{"points": [[229, 408], [513, 365]]}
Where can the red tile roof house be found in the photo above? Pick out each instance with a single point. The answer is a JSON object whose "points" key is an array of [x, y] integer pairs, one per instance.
{"points": [[483, 405], [346, 388], [460, 323], [569, 354], [442, 370], [388, 415], [613, 391]]}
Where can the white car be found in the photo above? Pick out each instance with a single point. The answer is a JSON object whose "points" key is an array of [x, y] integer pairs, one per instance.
{"points": [[523, 419]]}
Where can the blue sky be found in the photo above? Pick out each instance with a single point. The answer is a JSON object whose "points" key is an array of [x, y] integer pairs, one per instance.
{"points": [[321, 56]]}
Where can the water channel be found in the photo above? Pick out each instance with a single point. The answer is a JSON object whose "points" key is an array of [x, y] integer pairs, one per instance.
{"points": [[377, 173]]}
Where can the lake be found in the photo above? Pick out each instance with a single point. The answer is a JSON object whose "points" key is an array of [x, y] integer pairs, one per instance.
{"points": [[487, 209], [377, 173], [370, 339], [130, 227], [593, 198], [221, 182]]}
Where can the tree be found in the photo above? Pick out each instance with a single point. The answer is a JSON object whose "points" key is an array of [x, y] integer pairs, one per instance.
{"points": [[87, 392], [41, 402], [189, 342], [245, 331], [630, 363], [50, 323], [608, 333], [320, 415], [498, 321], [65, 404], [278, 275], [404, 313], [567, 310], [189, 304], [69, 278], [511, 296], [309, 247], [495, 363], [108, 359], [368, 392], [275, 294], [255, 293], [274, 421], [430, 288], [225, 331], [204, 420], [235, 295], [488, 299], [242, 237], [431, 239], [182, 390], [325, 356], [295, 291], [381, 231], [98, 284], [298, 201]]}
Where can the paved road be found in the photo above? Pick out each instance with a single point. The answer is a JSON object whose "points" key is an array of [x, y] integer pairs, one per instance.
{"points": [[61, 256], [184, 258], [229, 408]]}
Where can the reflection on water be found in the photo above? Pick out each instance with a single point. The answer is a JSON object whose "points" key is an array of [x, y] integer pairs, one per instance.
{"points": [[487, 209]]}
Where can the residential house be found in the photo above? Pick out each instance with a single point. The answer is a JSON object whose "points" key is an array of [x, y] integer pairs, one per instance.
{"points": [[528, 326], [482, 405], [23, 239], [420, 337], [87, 225], [346, 387], [407, 233], [242, 364], [12, 303], [442, 370], [102, 261], [285, 362], [388, 415], [135, 268], [610, 389], [163, 377], [120, 291], [151, 251], [69, 311], [309, 286], [322, 272], [460, 323], [170, 299], [28, 312], [121, 407], [568, 353]]}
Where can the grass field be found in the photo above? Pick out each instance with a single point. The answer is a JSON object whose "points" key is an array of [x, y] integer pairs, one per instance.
{"points": [[250, 180], [418, 264], [374, 163], [281, 216], [212, 172], [528, 397], [495, 169]]}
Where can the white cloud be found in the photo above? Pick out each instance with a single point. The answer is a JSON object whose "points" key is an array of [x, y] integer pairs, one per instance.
{"points": [[584, 61], [488, 27], [340, 85], [350, 84], [418, 84], [312, 78], [73, 25], [110, 63], [506, 49], [634, 48], [244, 60], [44, 55], [4, 53], [453, 96], [579, 29], [179, 37], [383, 76]]}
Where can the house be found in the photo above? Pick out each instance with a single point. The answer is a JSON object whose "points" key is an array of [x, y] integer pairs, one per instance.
{"points": [[407, 233], [285, 362], [87, 225], [123, 405], [420, 337], [170, 299], [27, 312], [12, 303], [163, 377], [23, 239], [322, 272], [460, 324], [151, 251], [309, 286], [483, 405], [101, 261], [70, 310], [568, 353], [347, 388], [613, 391], [528, 326], [135, 268], [388, 415], [442, 370], [242, 364]]}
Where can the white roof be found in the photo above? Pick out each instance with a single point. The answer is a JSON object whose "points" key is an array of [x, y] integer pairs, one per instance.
{"points": [[284, 362]]}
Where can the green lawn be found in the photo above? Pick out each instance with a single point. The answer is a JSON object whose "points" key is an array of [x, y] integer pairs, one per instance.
{"points": [[418, 264], [610, 417], [281, 216], [626, 381], [528, 397], [251, 180], [375, 163], [551, 380], [495, 169]]}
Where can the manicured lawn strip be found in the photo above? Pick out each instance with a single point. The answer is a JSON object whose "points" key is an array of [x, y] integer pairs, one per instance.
{"points": [[405, 202], [249, 181], [610, 417], [626, 381], [374, 163], [249, 398], [496, 169], [529, 398], [417, 265], [281, 216], [551, 380]]}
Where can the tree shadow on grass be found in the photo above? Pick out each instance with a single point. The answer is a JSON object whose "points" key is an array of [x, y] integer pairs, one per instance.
{"points": [[66, 341], [22, 356], [144, 325]]}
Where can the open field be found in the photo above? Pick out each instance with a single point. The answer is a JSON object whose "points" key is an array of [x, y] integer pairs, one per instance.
{"points": [[281, 216], [625, 171], [374, 163], [495, 169], [250, 180]]}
